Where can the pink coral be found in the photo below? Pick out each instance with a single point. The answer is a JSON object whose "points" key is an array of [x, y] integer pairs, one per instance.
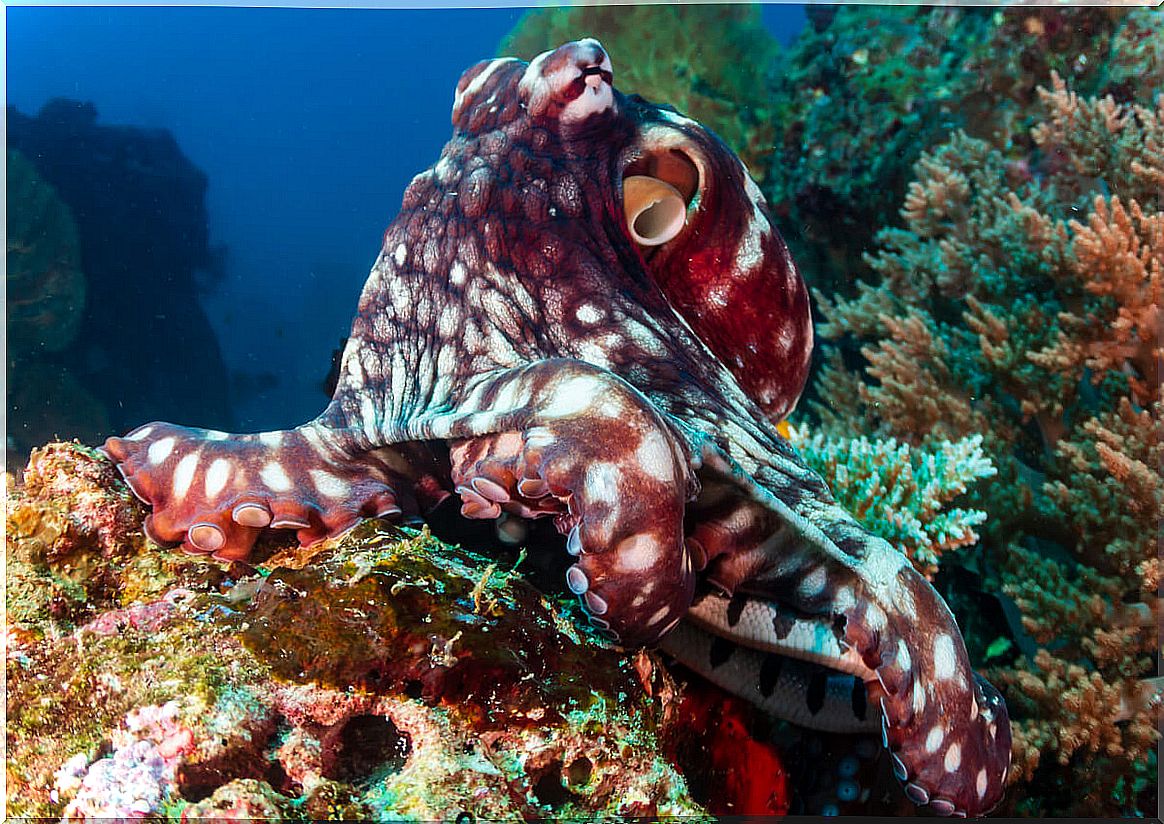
{"points": [[138, 776]]}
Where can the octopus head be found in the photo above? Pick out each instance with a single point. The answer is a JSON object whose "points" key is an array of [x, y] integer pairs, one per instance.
{"points": [[647, 195]]}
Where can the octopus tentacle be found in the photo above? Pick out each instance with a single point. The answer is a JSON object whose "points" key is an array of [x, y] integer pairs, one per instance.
{"points": [[917, 704], [946, 728], [794, 690], [214, 493], [589, 450]]}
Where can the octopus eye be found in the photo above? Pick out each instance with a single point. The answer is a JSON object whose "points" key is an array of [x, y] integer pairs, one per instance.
{"points": [[655, 211], [656, 193]]}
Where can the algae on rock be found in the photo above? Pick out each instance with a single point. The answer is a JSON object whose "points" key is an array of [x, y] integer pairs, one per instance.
{"points": [[383, 674]]}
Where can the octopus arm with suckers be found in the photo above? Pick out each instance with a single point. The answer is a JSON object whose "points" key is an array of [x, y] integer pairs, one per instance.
{"points": [[584, 312]]}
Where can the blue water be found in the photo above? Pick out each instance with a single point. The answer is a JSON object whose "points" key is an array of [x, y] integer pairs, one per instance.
{"points": [[309, 123]]}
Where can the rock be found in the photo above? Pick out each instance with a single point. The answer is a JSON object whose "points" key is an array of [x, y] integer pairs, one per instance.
{"points": [[380, 675], [139, 208]]}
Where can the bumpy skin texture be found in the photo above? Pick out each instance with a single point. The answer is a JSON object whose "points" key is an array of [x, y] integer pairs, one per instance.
{"points": [[516, 347]]}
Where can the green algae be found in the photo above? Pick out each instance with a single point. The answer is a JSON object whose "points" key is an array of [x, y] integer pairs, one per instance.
{"points": [[481, 640], [290, 677], [64, 697]]}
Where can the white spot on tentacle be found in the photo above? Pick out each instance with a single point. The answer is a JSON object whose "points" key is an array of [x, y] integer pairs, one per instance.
{"points": [[919, 696], [980, 783], [591, 352], [400, 255], [934, 739], [589, 314], [903, 659], [539, 438], [639, 552], [750, 254], [953, 759], [602, 482], [216, 435], [140, 435], [945, 661], [275, 477], [676, 118], [571, 396], [658, 616], [328, 484], [450, 320], [874, 617], [368, 415], [813, 584], [160, 450], [184, 475], [217, 476], [271, 438], [654, 456], [500, 347], [506, 399]]}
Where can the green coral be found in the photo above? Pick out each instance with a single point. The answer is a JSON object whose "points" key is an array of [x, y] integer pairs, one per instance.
{"points": [[655, 55], [899, 492]]}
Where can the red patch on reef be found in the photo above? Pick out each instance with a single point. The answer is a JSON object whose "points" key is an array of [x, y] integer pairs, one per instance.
{"points": [[728, 769]]}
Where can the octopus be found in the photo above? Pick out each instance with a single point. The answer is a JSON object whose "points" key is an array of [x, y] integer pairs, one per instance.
{"points": [[584, 312]]}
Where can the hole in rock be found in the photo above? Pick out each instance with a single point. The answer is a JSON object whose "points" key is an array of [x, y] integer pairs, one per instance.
{"points": [[277, 777], [369, 745], [549, 790], [579, 772]]}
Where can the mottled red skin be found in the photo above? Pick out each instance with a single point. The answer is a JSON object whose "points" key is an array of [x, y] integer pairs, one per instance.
{"points": [[755, 319], [515, 346]]}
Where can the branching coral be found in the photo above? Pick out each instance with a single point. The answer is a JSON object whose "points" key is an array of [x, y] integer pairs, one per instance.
{"points": [[899, 492], [721, 82], [1119, 255], [997, 310], [858, 100]]}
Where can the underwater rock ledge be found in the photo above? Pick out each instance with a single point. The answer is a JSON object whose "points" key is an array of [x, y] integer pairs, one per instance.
{"points": [[380, 675]]}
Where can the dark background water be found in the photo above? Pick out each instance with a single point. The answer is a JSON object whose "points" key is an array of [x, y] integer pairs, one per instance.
{"points": [[309, 123]]}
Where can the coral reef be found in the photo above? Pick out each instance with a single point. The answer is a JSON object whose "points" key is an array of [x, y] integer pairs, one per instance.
{"points": [[900, 492], [381, 675], [1020, 301], [863, 93], [660, 59], [138, 205]]}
